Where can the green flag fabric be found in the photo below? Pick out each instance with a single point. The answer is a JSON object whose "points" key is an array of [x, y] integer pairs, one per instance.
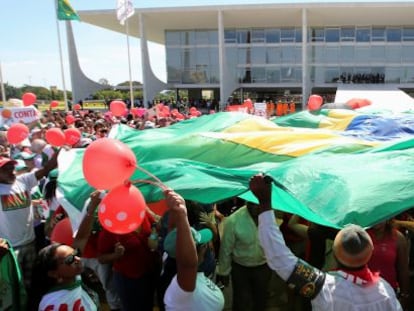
{"points": [[334, 168], [13, 296], [65, 11]]}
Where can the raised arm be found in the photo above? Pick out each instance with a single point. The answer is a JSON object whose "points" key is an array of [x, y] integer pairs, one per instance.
{"points": [[186, 252], [297, 273], [85, 228], [50, 165]]}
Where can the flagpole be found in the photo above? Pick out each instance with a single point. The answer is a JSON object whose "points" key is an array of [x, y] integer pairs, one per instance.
{"points": [[65, 98], [3, 92], [131, 90]]}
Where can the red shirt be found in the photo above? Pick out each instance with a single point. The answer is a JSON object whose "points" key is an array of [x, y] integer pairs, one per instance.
{"points": [[138, 259], [384, 257]]}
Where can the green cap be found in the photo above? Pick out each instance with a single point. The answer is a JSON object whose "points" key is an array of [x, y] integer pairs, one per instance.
{"points": [[53, 174], [200, 237], [24, 155]]}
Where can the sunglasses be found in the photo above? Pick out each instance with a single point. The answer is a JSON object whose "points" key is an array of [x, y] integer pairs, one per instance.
{"points": [[70, 259]]}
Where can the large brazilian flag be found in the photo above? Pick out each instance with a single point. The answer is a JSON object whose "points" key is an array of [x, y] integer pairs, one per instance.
{"points": [[333, 167]]}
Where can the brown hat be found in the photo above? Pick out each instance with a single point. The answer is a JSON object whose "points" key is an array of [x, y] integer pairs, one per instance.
{"points": [[353, 246]]}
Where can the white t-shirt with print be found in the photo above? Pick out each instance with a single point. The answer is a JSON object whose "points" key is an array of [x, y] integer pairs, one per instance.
{"points": [[16, 212], [205, 297]]}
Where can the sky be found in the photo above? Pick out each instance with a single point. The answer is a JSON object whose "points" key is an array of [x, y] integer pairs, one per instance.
{"points": [[29, 45]]}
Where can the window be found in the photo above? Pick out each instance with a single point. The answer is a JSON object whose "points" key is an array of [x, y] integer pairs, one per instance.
{"points": [[273, 55], [394, 34], [408, 34], [213, 37], [201, 37], [408, 54], [202, 57], [189, 38], [172, 38], [258, 74], [347, 54], [347, 34], [393, 54], [363, 34], [378, 34], [287, 35], [331, 75], [243, 36], [243, 56], [332, 35], [258, 55], [318, 35], [378, 53], [409, 75], [288, 54], [392, 74], [298, 35], [362, 54], [230, 36], [332, 54], [273, 75], [258, 35], [272, 35]]}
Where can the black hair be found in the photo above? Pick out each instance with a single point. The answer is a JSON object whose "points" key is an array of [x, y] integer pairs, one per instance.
{"points": [[41, 281], [49, 190]]}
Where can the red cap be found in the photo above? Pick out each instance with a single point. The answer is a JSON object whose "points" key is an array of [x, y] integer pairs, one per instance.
{"points": [[5, 160]]}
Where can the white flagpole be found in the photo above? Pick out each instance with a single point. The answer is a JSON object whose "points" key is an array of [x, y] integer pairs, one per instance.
{"points": [[65, 98], [3, 92], [131, 90]]}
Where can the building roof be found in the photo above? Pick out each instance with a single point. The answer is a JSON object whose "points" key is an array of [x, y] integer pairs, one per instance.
{"points": [[280, 14]]}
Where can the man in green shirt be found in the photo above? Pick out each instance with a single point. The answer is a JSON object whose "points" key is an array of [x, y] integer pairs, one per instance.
{"points": [[242, 256]]}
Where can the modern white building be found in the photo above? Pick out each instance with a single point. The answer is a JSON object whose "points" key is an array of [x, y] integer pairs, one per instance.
{"points": [[267, 51]]}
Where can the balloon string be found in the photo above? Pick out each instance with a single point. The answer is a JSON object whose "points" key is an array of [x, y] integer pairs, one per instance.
{"points": [[146, 181], [150, 175]]}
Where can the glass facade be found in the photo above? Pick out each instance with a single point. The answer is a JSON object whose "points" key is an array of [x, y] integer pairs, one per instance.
{"points": [[192, 57], [345, 54]]}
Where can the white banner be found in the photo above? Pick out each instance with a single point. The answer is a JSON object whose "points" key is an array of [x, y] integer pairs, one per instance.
{"points": [[124, 10], [260, 109], [28, 114]]}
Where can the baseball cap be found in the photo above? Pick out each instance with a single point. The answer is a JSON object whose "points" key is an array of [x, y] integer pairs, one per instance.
{"points": [[53, 174], [20, 165], [5, 160], [353, 246], [200, 237], [24, 155]]}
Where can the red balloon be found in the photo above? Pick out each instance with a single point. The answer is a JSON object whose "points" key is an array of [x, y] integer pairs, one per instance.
{"points": [[62, 232], [356, 103], [118, 108], [77, 107], [315, 102], [134, 111], [17, 133], [72, 136], [108, 163], [54, 104], [70, 119], [141, 112], [122, 210], [28, 99], [55, 137]]}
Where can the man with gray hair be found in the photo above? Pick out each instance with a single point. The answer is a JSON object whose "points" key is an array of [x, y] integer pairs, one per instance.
{"points": [[352, 287]]}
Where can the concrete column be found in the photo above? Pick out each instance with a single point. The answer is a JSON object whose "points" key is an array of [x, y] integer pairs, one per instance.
{"points": [[305, 63], [151, 84]]}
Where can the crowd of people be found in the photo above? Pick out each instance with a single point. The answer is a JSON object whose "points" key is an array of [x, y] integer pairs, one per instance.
{"points": [[183, 259]]}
